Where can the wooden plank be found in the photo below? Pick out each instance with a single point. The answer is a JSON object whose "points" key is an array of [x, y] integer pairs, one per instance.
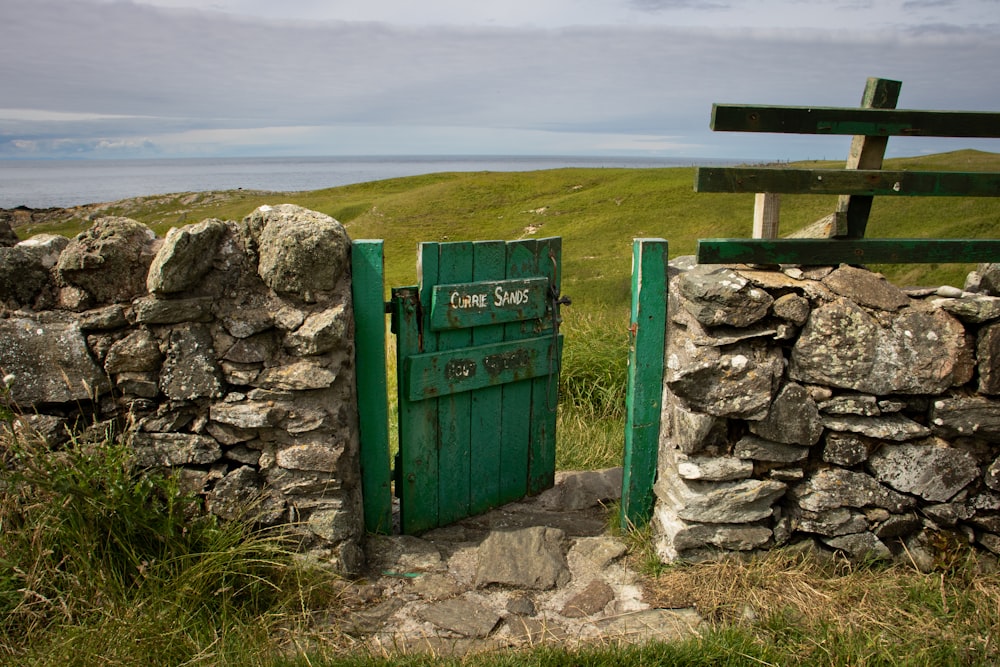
{"points": [[867, 182], [854, 121], [489, 263], [645, 379], [847, 251], [522, 262], [545, 389], [766, 215], [457, 306], [851, 214], [368, 290]]}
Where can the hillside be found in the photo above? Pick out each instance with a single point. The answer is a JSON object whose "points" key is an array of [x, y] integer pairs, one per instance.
{"points": [[597, 212]]}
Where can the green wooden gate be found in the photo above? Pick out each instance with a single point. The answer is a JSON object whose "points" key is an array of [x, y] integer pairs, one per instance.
{"points": [[478, 351]]}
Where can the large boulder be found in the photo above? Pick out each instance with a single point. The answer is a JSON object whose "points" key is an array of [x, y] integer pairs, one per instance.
{"points": [[185, 257], [25, 269], [109, 261]]}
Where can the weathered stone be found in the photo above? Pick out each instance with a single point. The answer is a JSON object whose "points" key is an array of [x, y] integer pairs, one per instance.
{"points": [[973, 416], [150, 310], [592, 599], [108, 318], [49, 428], [320, 333], [311, 456], [846, 449], [860, 546], [922, 351], [677, 535], [897, 526], [253, 350], [793, 418], [947, 514], [243, 454], [933, 471], [761, 449], [576, 490], [141, 384], [831, 488], [239, 375], [691, 431], [866, 288], [721, 335], [739, 382], [527, 558], [185, 257], [190, 369], [974, 309], [23, 273], [600, 551], [863, 405], [235, 495], [248, 322], [174, 449], [660, 625], [830, 523], [247, 415], [301, 252], [989, 278], [402, 554], [137, 352], [792, 308], [49, 362], [992, 476], [299, 376], [461, 616], [167, 420], [334, 524], [302, 482], [988, 356], [521, 605], [109, 260], [894, 427], [8, 237], [714, 468], [720, 296], [718, 502]]}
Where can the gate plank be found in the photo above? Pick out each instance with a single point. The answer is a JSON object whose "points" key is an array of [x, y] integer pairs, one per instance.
{"points": [[454, 410], [545, 389], [489, 263]]}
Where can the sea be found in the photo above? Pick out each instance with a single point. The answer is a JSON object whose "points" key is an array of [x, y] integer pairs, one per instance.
{"points": [[65, 183]]}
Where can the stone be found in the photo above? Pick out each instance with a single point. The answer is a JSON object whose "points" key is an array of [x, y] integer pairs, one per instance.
{"points": [[921, 351], [592, 599], [863, 405], [151, 310], [24, 275], [661, 625], [174, 449], [894, 427], [461, 616], [830, 523], [975, 416], [714, 468], [435, 586], [333, 524], [142, 385], [577, 490], [8, 237], [521, 605], [190, 369], [242, 454], [320, 333], [301, 252], [897, 526], [992, 476], [677, 536], [718, 502], [298, 376], [185, 257], [137, 352], [247, 415], [989, 278], [846, 449], [792, 308], [720, 335], [253, 350], [831, 488], [313, 456], [866, 288], [600, 551], [947, 514], [110, 260], [761, 449], [932, 470], [793, 418], [402, 554], [50, 429], [248, 322], [531, 558], [739, 382], [860, 546], [691, 431], [988, 356], [108, 318], [49, 362], [720, 296], [973, 309]]}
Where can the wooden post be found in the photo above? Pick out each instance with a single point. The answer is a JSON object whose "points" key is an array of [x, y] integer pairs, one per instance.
{"points": [[867, 152], [643, 399], [766, 210]]}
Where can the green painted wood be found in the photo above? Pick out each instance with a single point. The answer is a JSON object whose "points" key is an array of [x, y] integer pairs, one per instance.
{"points": [[489, 263], [368, 290], [854, 121], [645, 380], [866, 153], [545, 388], [480, 303], [454, 409], [847, 251], [848, 181], [454, 371]]}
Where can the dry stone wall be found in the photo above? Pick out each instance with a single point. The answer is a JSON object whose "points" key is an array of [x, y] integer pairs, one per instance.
{"points": [[224, 352], [828, 405]]}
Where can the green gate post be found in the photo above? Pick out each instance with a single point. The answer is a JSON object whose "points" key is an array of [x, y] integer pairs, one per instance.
{"points": [[643, 400], [368, 291]]}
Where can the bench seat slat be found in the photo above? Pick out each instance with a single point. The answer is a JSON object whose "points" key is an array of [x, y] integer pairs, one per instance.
{"points": [[848, 182]]}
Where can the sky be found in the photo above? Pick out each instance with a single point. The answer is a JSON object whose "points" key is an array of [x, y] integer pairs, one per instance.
{"points": [[184, 78]]}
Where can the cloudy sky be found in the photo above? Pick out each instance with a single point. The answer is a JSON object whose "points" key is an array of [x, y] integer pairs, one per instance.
{"points": [[165, 78]]}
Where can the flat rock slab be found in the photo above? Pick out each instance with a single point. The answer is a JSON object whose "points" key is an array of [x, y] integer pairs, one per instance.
{"points": [[464, 617], [532, 558], [589, 601], [654, 624]]}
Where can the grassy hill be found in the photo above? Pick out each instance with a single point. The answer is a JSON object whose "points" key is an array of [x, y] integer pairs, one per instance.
{"points": [[597, 212]]}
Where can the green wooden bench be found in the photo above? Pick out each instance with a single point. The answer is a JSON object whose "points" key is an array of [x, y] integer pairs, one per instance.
{"points": [[840, 237]]}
